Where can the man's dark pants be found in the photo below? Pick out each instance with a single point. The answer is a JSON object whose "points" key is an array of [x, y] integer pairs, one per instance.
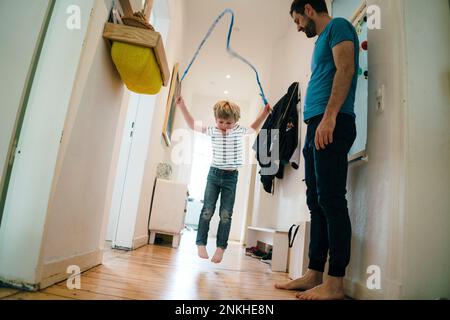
{"points": [[326, 179]]}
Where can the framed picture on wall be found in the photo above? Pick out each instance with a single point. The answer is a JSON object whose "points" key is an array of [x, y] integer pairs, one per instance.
{"points": [[174, 92]]}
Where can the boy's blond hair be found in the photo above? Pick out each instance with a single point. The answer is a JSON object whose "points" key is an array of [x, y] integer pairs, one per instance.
{"points": [[227, 110]]}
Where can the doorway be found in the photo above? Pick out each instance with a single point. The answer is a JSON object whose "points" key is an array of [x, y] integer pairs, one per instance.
{"points": [[15, 88], [201, 160], [134, 149]]}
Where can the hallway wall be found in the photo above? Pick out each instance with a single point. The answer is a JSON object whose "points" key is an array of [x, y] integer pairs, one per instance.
{"points": [[158, 151], [398, 213], [80, 195], [427, 192], [375, 188], [290, 63], [22, 229]]}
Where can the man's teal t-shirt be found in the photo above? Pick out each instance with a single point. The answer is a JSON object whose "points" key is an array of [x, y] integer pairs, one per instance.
{"points": [[323, 69]]}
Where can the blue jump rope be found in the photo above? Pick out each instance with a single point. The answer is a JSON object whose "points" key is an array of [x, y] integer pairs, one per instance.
{"points": [[229, 49]]}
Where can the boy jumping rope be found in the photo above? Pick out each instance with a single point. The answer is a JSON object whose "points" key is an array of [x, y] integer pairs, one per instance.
{"points": [[227, 144]]}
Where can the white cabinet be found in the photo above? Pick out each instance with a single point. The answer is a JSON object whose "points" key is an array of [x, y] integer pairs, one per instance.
{"points": [[168, 210]]}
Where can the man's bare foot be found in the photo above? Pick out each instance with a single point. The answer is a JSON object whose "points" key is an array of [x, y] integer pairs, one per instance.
{"points": [[331, 289], [311, 279], [202, 253], [218, 255]]}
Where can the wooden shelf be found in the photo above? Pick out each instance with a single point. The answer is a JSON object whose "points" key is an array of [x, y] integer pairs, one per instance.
{"points": [[267, 230], [279, 241], [141, 37]]}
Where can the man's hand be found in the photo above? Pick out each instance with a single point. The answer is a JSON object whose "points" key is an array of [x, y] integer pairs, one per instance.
{"points": [[324, 132]]}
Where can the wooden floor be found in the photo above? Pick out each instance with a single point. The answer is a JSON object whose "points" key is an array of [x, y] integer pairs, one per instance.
{"points": [[159, 272]]}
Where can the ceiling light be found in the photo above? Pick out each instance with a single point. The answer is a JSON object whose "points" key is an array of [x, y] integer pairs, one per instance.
{"points": [[228, 76], [226, 92]]}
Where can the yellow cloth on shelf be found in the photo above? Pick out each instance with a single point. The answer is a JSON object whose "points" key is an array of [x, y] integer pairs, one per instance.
{"points": [[137, 67]]}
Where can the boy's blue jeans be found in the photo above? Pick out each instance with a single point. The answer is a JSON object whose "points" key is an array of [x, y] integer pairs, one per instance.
{"points": [[221, 182]]}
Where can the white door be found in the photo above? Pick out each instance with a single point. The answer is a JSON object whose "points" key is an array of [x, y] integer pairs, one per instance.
{"points": [[122, 167], [135, 172], [134, 152]]}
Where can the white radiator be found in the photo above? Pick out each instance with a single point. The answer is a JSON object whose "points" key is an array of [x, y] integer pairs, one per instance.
{"points": [[168, 210]]}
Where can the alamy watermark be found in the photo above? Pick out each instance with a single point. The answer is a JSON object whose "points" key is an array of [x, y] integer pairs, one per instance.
{"points": [[373, 17], [74, 280], [374, 280], [73, 21]]}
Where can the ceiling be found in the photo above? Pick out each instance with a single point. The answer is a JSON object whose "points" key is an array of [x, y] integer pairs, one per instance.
{"points": [[258, 25]]}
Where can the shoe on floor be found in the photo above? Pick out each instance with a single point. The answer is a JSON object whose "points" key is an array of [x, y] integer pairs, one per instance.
{"points": [[267, 258], [259, 254], [250, 251]]}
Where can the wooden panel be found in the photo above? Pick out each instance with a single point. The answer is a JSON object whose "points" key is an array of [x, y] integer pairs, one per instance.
{"points": [[162, 61], [148, 9], [141, 37], [126, 7], [57, 271]]}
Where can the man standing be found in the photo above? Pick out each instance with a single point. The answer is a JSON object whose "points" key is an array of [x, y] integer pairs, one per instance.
{"points": [[329, 114]]}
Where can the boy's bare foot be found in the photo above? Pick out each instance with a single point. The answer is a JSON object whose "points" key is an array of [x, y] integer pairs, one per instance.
{"points": [[310, 280], [331, 289], [202, 253], [218, 255]]}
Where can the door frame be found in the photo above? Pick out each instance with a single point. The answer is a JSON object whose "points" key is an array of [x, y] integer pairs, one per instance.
{"points": [[7, 168]]}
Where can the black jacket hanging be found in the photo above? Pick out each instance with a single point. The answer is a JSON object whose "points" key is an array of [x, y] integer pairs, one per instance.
{"points": [[280, 128]]}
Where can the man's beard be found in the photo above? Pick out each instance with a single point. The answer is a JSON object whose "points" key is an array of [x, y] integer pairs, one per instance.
{"points": [[310, 29]]}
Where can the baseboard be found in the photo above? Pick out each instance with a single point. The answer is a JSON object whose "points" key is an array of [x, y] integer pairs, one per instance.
{"points": [[140, 242], [358, 291], [22, 286], [55, 272]]}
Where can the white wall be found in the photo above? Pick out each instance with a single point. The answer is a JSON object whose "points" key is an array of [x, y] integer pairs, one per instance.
{"points": [[290, 63], [16, 55], [80, 190], [158, 152], [427, 191], [399, 200], [375, 188], [28, 197]]}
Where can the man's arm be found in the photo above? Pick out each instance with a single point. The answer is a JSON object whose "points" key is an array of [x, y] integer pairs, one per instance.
{"points": [[260, 119], [187, 116], [344, 59]]}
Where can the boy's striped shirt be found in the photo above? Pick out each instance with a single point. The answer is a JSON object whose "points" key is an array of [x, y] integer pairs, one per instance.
{"points": [[227, 148]]}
